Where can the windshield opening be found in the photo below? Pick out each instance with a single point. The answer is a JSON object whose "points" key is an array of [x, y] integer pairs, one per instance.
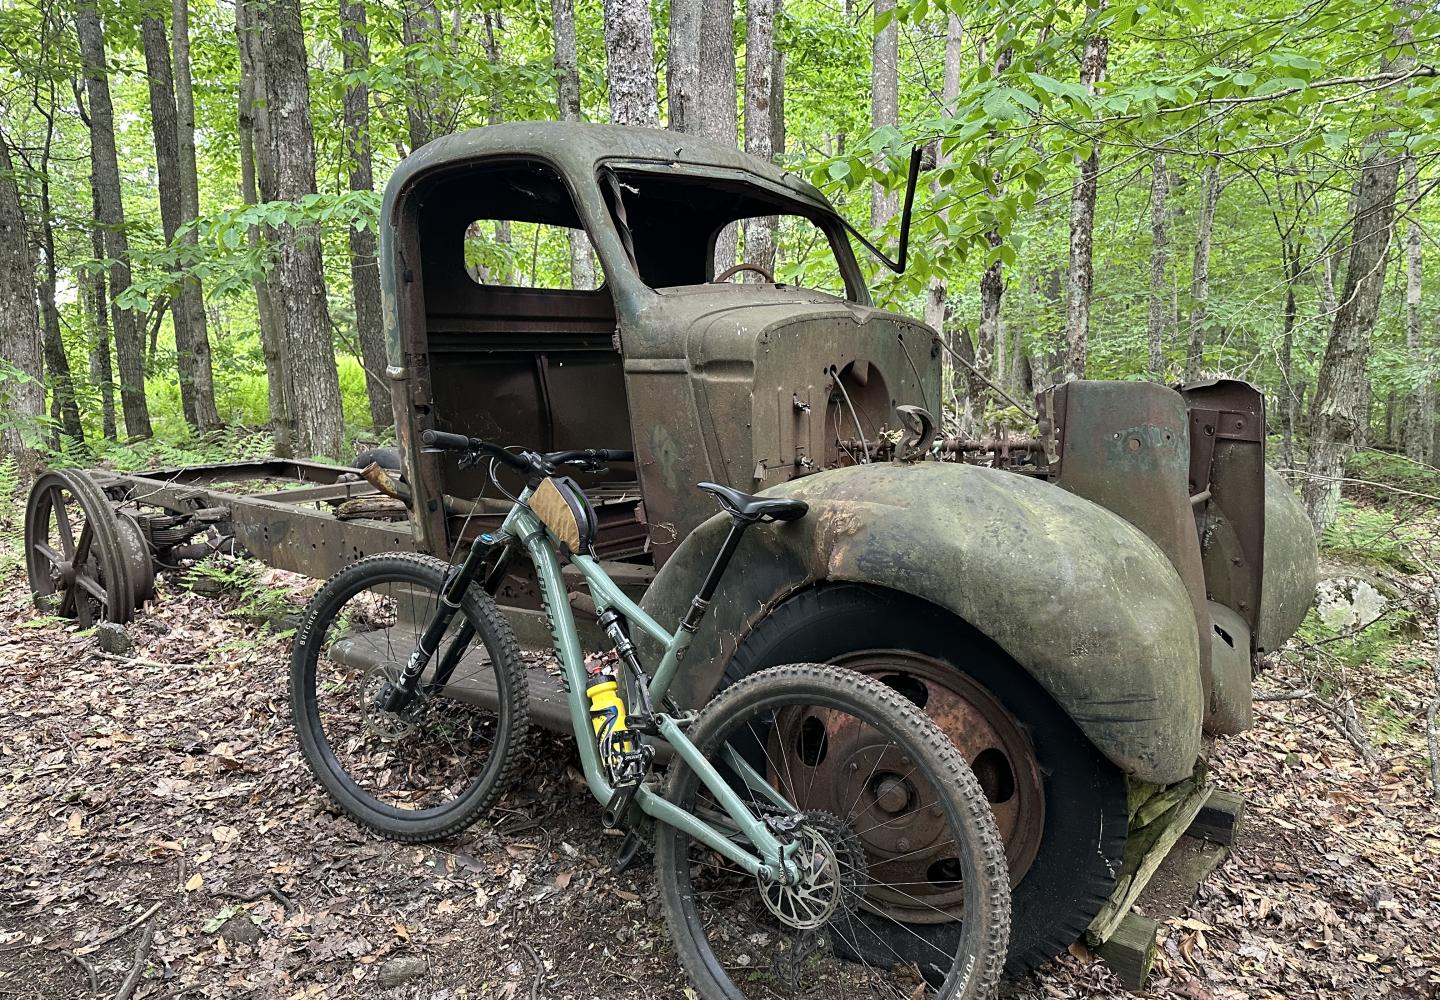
{"points": [[670, 223]]}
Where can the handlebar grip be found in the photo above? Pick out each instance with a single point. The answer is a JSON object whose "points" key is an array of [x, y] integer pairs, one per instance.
{"points": [[444, 439], [611, 455]]}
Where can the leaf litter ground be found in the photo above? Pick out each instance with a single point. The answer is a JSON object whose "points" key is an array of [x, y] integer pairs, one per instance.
{"points": [[162, 835]]}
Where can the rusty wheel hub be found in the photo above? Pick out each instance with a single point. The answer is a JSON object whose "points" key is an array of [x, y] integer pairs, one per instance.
{"points": [[845, 767]]}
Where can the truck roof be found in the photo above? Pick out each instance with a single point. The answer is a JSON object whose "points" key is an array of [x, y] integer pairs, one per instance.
{"points": [[577, 147]]}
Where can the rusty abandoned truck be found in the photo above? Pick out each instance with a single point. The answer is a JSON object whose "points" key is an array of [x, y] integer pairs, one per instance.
{"points": [[1080, 609]]}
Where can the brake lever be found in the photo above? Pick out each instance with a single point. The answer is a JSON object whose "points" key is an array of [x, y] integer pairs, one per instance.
{"points": [[469, 460]]}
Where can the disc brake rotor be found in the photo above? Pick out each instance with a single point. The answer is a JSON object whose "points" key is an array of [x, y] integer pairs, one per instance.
{"points": [[817, 895], [391, 726]]}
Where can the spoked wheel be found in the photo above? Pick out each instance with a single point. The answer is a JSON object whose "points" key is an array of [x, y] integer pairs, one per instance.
{"points": [[427, 769], [827, 934], [77, 561]]}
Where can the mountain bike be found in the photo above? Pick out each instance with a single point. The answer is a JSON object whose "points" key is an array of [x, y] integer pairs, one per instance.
{"points": [[411, 700]]}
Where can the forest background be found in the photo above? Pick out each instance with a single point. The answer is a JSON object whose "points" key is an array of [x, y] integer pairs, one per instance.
{"points": [[1117, 189]]}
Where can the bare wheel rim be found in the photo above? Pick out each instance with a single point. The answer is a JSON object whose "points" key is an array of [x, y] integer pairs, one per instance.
{"points": [[73, 555], [989, 738]]}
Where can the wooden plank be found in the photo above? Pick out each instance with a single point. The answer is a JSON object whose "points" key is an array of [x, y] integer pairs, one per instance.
{"points": [[1220, 819], [1130, 950], [1146, 848]]}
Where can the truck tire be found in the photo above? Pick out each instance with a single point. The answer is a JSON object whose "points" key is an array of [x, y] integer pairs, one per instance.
{"points": [[1066, 847]]}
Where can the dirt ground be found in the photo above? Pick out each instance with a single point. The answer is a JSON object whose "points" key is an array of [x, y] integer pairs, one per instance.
{"points": [[159, 825]]}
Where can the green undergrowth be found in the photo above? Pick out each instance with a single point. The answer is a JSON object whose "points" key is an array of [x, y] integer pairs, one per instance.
{"points": [[1365, 534], [239, 584]]}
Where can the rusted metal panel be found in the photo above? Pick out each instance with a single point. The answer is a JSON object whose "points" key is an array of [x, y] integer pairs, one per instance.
{"points": [[1227, 460], [1126, 447], [1077, 596]]}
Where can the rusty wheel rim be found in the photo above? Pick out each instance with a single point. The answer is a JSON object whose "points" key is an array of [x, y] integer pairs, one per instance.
{"points": [[902, 834], [73, 554]]}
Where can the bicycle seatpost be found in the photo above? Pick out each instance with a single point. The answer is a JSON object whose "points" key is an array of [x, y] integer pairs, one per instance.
{"points": [[701, 602]]}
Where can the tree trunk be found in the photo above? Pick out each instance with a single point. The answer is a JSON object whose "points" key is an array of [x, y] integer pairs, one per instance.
{"points": [[300, 271], [20, 339], [421, 25], [364, 260], [192, 295], [129, 342], [164, 125], [1417, 410], [1158, 316], [102, 374], [682, 71], [884, 100], [567, 84], [936, 309], [630, 63], [777, 88], [1200, 273], [257, 176], [759, 127], [1289, 399], [718, 97], [1339, 406], [1082, 222]]}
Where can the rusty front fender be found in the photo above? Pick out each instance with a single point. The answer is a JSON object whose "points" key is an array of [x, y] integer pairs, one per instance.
{"points": [[1075, 595]]}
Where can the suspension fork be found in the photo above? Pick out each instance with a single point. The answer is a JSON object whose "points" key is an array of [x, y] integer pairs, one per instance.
{"points": [[394, 697], [450, 659]]}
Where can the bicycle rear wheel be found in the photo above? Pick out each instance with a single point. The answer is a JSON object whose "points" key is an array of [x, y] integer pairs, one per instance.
{"points": [[427, 771], [915, 844]]}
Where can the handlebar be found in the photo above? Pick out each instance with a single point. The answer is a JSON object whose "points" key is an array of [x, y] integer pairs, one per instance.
{"points": [[525, 461]]}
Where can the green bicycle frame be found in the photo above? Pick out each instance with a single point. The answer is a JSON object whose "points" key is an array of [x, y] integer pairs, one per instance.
{"points": [[770, 857]]}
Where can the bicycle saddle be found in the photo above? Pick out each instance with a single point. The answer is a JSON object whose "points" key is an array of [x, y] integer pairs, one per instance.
{"points": [[747, 508]]}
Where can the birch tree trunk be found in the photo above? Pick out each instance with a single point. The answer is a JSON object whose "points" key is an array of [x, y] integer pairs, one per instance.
{"points": [[759, 126], [1417, 411], [1082, 222], [364, 260], [300, 271], [192, 295], [1339, 406], [129, 342], [718, 97], [257, 177], [682, 68], [884, 100], [1159, 305], [630, 63], [20, 340], [1200, 273]]}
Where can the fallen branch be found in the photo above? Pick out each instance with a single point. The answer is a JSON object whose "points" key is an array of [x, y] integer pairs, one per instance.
{"points": [[1343, 713], [539, 971], [136, 661], [89, 969], [90, 949], [142, 951]]}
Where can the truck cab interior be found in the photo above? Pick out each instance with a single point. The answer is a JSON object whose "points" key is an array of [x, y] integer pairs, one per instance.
{"points": [[518, 350]]}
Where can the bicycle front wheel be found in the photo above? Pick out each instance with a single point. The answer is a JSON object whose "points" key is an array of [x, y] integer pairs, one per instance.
{"points": [[916, 844], [427, 770]]}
